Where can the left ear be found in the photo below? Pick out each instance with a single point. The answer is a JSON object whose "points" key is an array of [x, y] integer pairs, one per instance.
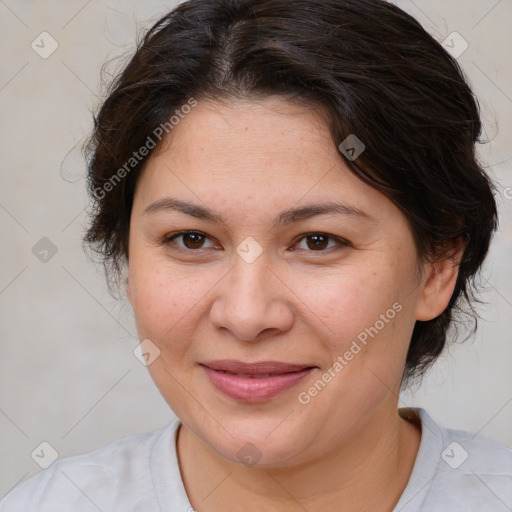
{"points": [[438, 282]]}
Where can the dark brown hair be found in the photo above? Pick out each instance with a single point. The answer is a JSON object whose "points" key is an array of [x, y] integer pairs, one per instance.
{"points": [[376, 72]]}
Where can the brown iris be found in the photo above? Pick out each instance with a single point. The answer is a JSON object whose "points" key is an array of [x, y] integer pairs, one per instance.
{"points": [[193, 240], [317, 241]]}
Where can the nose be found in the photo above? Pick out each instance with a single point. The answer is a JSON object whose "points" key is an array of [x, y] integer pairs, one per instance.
{"points": [[252, 302]]}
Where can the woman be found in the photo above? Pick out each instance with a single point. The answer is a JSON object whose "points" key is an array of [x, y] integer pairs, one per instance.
{"points": [[289, 192]]}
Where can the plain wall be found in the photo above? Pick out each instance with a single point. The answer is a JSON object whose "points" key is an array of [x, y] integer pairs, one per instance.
{"points": [[68, 375]]}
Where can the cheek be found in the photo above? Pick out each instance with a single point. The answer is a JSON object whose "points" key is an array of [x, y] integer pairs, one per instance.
{"points": [[163, 300], [347, 301], [171, 303], [363, 317]]}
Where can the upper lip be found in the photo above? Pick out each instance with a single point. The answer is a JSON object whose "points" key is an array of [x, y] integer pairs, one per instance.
{"points": [[259, 368]]}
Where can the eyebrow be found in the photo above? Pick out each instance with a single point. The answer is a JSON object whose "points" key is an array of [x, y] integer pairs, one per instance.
{"points": [[284, 218]]}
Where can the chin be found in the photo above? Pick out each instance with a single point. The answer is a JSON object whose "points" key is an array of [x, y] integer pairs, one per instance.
{"points": [[259, 445], [261, 453]]}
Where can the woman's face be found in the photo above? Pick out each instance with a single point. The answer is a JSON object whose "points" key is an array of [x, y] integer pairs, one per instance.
{"points": [[285, 277]]}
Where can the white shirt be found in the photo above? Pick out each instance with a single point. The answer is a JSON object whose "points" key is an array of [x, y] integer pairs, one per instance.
{"points": [[454, 471]]}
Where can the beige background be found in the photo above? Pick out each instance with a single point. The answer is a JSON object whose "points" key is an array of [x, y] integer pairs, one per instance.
{"points": [[67, 372]]}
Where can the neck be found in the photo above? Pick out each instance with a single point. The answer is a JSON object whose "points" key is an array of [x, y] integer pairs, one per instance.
{"points": [[367, 472]]}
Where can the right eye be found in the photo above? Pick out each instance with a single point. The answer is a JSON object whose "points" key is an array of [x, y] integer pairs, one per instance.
{"points": [[192, 241]]}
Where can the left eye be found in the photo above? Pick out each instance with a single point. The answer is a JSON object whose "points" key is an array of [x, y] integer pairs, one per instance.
{"points": [[319, 242]]}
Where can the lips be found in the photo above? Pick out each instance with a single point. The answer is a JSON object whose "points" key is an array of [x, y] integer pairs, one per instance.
{"points": [[254, 382], [254, 369]]}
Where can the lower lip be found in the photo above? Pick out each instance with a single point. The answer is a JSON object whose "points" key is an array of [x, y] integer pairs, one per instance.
{"points": [[252, 390]]}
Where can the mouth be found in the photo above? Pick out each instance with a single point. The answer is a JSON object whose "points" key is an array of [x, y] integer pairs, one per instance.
{"points": [[254, 382]]}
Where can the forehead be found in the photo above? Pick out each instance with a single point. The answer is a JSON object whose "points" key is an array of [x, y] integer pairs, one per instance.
{"points": [[265, 130], [264, 153]]}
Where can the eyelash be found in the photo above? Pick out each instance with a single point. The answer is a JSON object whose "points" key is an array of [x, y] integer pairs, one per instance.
{"points": [[169, 240]]}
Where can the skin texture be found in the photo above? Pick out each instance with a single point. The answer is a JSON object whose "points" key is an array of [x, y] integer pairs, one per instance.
{"points": [[348, 448]]}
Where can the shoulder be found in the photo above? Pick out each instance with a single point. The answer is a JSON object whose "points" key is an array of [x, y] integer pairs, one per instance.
{"points": [[474, 453], [475, 470], [114, 477], [461, 471]]}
